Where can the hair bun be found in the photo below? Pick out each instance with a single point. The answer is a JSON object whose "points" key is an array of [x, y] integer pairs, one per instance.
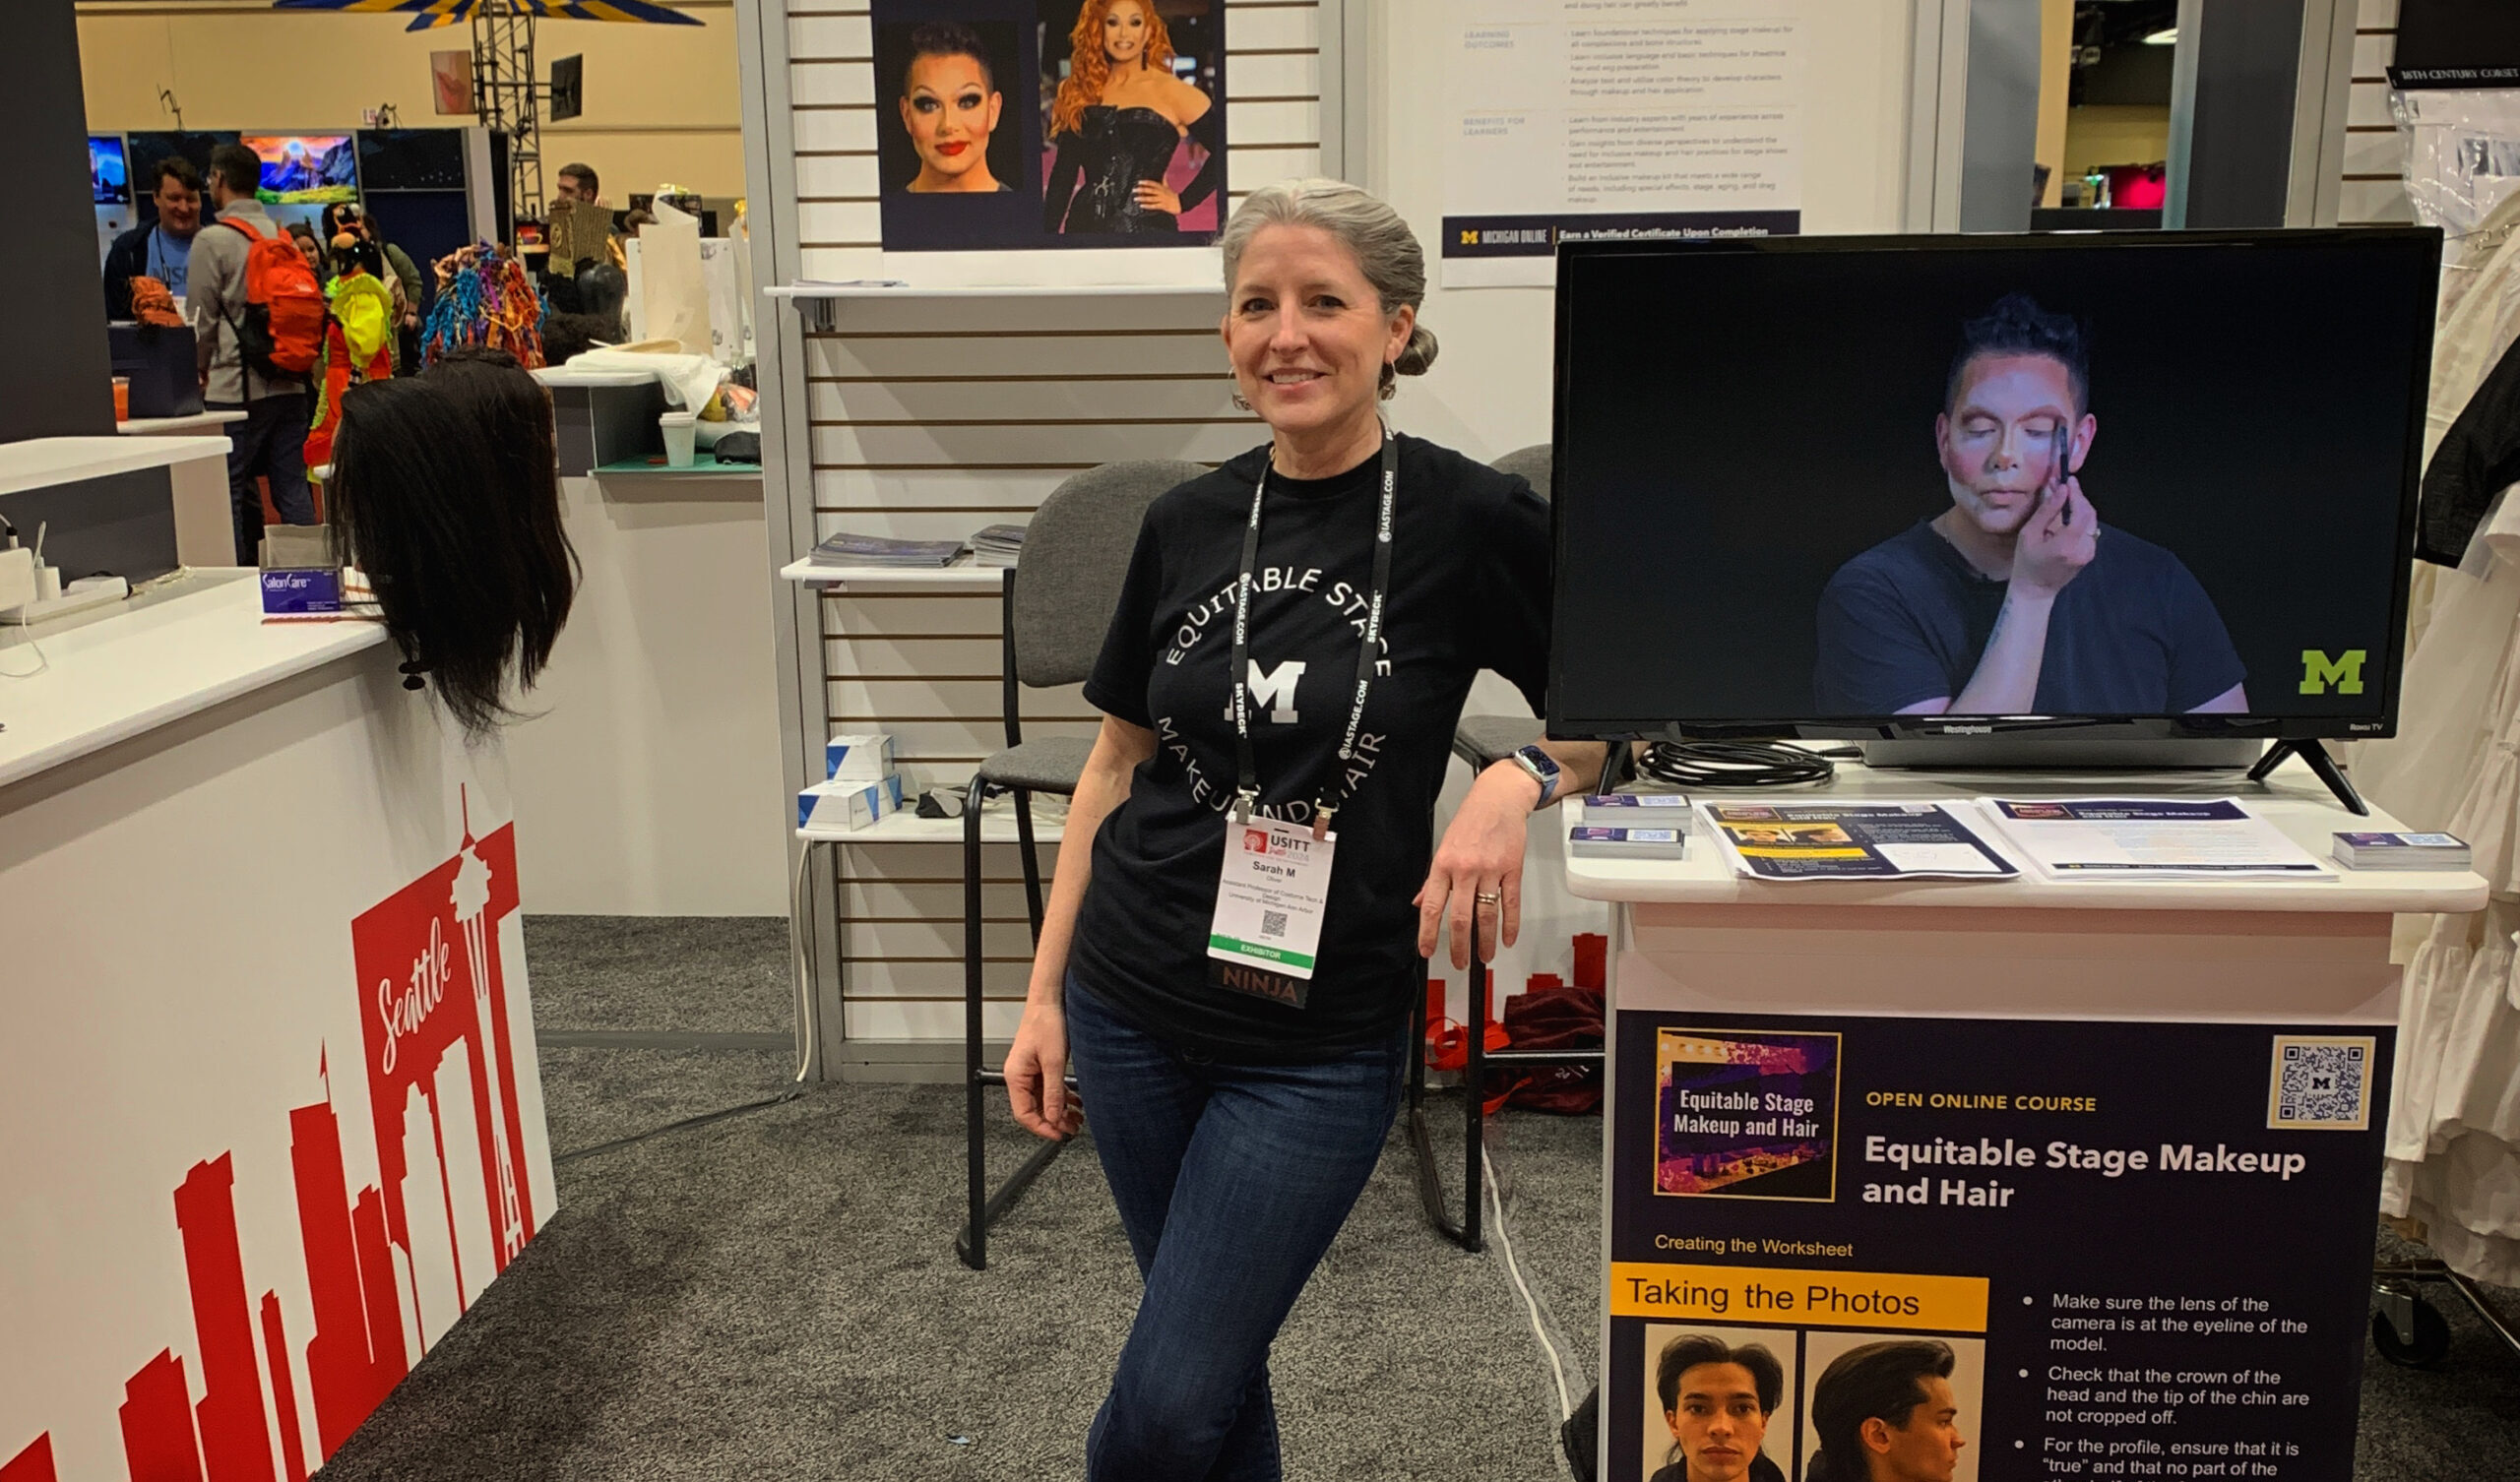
{"points": [[1417, 354]]}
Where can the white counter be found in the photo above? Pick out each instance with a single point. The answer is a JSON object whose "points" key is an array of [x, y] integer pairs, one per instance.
{"points": [[163, 656], [268, 1028]]}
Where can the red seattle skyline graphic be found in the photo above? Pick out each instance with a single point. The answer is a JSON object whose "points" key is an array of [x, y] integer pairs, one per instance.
{"points": [[387, 1270]]}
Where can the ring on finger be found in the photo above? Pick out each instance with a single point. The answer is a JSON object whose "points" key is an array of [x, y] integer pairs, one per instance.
{"points": [[1487, 898]]}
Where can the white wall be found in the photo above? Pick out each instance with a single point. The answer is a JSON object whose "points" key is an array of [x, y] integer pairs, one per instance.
{"points": [[1490, 391], [649, 782]]}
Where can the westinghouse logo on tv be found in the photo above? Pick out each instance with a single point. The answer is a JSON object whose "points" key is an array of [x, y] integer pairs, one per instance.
{"points": [[1745, 1115]]}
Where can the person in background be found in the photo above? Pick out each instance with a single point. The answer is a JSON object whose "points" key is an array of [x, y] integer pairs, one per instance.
{"points": [[349, 216], [271, 443], [161, 250], [578, 182], [310, 249]]}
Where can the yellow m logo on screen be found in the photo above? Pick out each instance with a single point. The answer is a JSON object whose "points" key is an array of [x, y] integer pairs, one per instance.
{"points": [[2345, 671], [1469, 236]]}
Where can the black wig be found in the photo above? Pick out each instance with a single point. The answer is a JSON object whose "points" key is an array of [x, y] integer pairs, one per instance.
{"points": [[445, 491]]}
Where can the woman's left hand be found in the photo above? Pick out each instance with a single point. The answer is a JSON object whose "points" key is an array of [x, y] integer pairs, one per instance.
{"points": [[1482, 853], [1153, 194]]}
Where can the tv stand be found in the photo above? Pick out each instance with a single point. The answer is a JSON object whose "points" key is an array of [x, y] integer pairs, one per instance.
{"points": [[2316, 757]]}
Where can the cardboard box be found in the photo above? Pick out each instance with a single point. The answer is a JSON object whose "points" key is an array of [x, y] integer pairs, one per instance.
{"points": [[859, 758], [850, 805]]}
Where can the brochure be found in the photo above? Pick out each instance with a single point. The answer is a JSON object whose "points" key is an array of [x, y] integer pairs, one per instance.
{"points": [[2110, 838], [1851, 842], [2400, 851], [849, 549]]}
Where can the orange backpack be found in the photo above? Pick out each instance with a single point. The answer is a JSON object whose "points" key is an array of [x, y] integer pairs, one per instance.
{"points": [[282, 328]]}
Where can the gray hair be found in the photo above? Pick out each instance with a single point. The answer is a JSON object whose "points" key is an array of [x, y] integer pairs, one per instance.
{"points": [[1385, 249]]}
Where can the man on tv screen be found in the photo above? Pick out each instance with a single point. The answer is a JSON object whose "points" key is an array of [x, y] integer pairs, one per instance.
{"points": [[2017, 601]]}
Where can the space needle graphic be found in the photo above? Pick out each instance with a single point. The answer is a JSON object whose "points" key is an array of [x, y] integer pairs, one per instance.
{"points": [[470, 899]]}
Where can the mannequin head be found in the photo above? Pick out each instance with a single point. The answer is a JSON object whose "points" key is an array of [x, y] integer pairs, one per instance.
{"points": [[445, 492]]}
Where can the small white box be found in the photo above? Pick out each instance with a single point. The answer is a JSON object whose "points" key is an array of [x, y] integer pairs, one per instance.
{"points": [[859, 758], [846, 804]]}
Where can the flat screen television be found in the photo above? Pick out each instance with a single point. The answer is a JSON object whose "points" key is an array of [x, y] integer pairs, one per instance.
{"points": [[306, 168], [147, 149], [2150, 485], [108, 172]]}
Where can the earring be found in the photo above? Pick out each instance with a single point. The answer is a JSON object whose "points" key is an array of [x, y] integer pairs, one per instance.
{"points": [[1239, 401]]}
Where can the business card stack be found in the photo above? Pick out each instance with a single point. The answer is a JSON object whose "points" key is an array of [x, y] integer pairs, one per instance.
{"points": [[1638, 810], [859, 788], [1595, 841], [1631, 825], [2401, 851]]}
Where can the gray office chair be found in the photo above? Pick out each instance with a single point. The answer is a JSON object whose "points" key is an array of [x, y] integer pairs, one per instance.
{"points": [[1482, 741], [1485, 740], [1056, 605]]}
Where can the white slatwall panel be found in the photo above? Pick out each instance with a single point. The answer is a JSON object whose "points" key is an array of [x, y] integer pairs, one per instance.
{"points": [[931, 417], [2373, 191]]}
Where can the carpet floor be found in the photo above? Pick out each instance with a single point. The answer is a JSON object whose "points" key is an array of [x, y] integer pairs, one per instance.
{"points": [[776, 1294]]}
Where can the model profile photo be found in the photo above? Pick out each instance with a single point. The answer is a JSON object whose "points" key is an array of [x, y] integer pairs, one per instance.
{"points": [[1887, 1412], [950, 107], [1134, 144]]}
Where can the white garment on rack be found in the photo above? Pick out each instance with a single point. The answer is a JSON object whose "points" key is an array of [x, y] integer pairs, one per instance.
{"points": [[2453, 1145]]}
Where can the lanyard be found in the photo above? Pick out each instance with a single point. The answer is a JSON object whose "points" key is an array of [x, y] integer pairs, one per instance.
{"points": [[1247, 786]]}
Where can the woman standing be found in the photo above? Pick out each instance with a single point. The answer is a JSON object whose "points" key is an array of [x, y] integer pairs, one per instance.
{"points": [[1119, 116], [950, 107], [1238, 1110]]}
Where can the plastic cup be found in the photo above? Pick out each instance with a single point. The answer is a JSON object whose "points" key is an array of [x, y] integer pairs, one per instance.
{"points": [[122, 398], [680, 432]]}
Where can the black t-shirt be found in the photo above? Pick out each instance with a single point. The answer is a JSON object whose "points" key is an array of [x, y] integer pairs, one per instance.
{"points": [[1470, 576], [2132, 634]]}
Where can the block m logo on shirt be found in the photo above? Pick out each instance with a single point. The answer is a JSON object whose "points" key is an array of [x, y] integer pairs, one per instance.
{"points": [[1273, 690], [2345, 671]]}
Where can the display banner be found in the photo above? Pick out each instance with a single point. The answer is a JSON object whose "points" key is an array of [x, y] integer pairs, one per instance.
{"points": [[1988, 1248], [1570, 120], [1008, 124]]}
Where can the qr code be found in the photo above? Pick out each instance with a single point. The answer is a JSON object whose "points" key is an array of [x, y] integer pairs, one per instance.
{"points": [[2320, 1082], [1273, 923]]}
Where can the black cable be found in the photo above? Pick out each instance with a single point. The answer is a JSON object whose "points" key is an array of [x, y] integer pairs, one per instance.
{"points": [[1697, 765], [684, 1125]]}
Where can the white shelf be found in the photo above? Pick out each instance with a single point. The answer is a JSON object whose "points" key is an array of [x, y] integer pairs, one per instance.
{"points": [[199, 421], [817, 292], [997, 827], [959, 577]]}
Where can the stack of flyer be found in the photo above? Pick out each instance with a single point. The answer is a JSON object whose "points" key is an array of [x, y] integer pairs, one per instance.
{"points": [[2111, 839], [1631, 825], [860, 785], [997, 545], [1852, 842], [847, 549], [2401, 851]]}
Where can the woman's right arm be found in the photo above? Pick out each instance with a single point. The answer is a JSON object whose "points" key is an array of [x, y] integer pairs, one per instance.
{"points": [[1037, 1062]]}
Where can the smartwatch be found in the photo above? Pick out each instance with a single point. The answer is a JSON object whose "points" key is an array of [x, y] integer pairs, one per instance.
{"points": [[1544, 770]]}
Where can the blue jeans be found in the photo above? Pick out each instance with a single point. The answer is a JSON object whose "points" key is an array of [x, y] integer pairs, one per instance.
{"points": [[1230, 1179], [270, 442]]}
